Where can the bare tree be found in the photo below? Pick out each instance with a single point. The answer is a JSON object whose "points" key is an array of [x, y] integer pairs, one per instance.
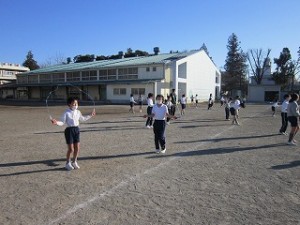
{"points": [[59, 58], [258, 63]]}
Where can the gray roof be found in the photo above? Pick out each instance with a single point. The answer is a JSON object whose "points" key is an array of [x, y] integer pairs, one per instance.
{"points": [[112, 63]]}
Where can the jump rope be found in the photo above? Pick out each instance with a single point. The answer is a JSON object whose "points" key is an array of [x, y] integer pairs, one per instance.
{"points": [[67, 85]]}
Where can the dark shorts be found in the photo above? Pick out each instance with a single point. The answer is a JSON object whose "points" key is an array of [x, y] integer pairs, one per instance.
{"points": [[233, 111], [140, 103], [131, 104], [273, 108], [183, 106], [72, 135], [196, 101], [293, 120]]}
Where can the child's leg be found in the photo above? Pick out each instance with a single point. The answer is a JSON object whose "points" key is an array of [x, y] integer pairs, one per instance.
{"points": [[291, 137], [76, 151], [162, 137], [156, 135], [69, 152]]}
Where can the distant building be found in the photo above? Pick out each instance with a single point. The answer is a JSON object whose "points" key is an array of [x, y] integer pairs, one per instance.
{"points": [[8, 72], [113, 81], [267, 91]]}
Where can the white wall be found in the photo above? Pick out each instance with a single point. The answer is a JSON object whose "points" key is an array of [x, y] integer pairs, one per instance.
{"points": [[201, 76], [149, 87], [256, 93], [158, 74]]}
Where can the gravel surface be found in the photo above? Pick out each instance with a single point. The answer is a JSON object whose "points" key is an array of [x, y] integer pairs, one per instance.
{"points": [[213, 172]]}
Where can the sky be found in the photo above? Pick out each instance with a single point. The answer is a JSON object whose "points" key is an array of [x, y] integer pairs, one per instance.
{"points": [[66, 28]]}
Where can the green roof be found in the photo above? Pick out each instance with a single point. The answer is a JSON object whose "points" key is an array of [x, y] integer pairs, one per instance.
{"points": [[112, 63]]}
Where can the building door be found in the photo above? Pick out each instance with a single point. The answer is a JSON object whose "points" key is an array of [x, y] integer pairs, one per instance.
{"points": [[102, 92], [271, 96]]}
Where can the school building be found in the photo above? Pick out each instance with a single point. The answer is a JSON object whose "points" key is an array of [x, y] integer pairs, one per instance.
{"points": [[8, 73], [112, 81]]}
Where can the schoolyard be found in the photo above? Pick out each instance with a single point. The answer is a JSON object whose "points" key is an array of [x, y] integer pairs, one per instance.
{"points": [[212, 173]]}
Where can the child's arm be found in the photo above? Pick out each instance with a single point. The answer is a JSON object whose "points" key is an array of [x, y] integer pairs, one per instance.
{"points": [[60, 123], [57, 123], [85, 118]]}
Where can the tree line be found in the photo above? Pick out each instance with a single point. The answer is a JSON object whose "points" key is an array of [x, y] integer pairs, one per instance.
{"points": [[238, 64]]}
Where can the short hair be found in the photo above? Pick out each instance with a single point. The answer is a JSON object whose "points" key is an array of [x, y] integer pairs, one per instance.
{"points": [[286, 96], [150, 95], [159, 96], [71, 99], [294, 97], [131, 95]]}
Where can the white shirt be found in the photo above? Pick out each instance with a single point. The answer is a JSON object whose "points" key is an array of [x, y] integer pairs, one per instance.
{"points": [[169, 104], [160, 112], [237, 104], [72, 118], [150, 102], [132, 100], [183, 100], [284, 106]]}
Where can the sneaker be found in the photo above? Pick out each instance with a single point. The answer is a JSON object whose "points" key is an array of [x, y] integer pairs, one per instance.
{"points": [[157, 151], [163, 151], [168, 123], [151, 126], [294, 141], [75, 165], [148, 127], [69, 166], [291, 143]]}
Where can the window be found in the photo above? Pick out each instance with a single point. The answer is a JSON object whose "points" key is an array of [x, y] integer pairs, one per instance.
{"points": [[119, 91], [22, 79], [112, 74], [33, 79], [8, 73], [89, 75], [73, 76], [154, 69], [138, 91], [58, 77], [102, 74], [45, 78], [128, 73], [217, 80], [182, 70], [147, 69]]}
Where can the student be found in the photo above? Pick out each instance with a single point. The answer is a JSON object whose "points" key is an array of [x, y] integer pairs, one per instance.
{"points": [[196, 100], [140, 102], [234, 107], [149, 110], [222, 101], [169, 104], [293, 117], [210, 102], [227, 108], [159, 113], [237, 103], [284, 118], [132, 102], [174, 102], [192, 100], [183, 104], [71, 118], [275, 104]]}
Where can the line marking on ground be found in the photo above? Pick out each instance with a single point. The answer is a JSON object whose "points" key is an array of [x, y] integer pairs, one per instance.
{"points": [[133, 178]]}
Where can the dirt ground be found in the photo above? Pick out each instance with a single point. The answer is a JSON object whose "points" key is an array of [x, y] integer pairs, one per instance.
{"points": [[213, 172]]}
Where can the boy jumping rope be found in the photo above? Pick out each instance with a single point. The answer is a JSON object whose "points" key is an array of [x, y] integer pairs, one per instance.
{"points": [[159, 113], [71, 118]]}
